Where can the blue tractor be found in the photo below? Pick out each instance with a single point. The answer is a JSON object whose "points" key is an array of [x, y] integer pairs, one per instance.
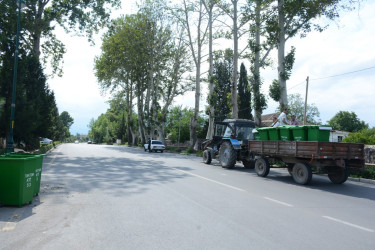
{"points": [[230, 143]]}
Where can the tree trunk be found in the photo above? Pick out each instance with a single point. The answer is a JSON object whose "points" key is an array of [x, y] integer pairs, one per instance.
{"points": [[256, 74], [281, 56], [235, 61], [37, 28], [141, 126], [211, 118]]}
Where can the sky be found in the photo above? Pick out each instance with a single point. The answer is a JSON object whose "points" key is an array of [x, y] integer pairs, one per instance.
{"points": [[340, 63]]}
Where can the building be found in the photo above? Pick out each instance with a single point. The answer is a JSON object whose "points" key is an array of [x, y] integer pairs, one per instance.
{"points": [[337, 135]]}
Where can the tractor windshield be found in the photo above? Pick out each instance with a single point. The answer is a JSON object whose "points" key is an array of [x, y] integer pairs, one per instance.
{"points": [[220, 129], [244, 133]]}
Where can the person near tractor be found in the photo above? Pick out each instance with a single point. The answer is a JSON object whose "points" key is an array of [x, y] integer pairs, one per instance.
{"points": [[293, 120], [282, 117], [275, 122], [149, 145]]}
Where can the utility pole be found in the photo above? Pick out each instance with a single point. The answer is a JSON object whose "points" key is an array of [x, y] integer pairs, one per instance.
{"points": [[10, 144], [307, 89]]}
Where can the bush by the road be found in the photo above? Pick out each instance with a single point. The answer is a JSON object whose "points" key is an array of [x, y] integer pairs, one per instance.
{"points": [[366, 136]]}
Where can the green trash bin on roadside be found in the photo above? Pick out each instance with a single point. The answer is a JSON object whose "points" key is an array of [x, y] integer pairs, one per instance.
{"points": [[286, 133], [318, 132], [299, 133], [17, 180], [37, 163]]}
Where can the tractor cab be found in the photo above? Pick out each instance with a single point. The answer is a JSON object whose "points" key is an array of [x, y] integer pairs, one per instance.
{"points": [[238, 129]]}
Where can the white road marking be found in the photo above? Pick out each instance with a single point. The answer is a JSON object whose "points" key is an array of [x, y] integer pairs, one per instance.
{"points": [[279, 202], [217, 182], [349, 224]]}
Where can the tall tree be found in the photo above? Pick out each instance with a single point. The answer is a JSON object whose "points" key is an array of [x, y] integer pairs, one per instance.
{"points": [[295, 17], [222, 75], [260, 12], [149, 70], [244, 94], [297, 107], [80, 16], [66, 119], [239, 20], [209, 6], [191, 16], [347, 121]]}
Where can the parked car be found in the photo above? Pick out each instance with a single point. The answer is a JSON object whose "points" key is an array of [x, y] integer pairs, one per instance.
{"points": [[46, 141], [155, 146]]}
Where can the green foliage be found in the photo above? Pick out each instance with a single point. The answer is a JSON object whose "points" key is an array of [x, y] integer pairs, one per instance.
{"points": [[222, 77], [367, 173], [45, 148], [347, 121], [66, 119], [274, 90], [297, 107], [288, 64], [100, 131], [366, 136], [244, 95]]}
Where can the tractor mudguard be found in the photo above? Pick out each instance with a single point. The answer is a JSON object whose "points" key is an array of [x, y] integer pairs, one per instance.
{"points": [[235, 143]]}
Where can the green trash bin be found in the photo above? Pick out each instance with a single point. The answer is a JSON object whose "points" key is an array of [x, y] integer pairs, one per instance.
{"points": [[17, 180], [286, 133], [256, 134], [263, 134], [274, 133], [299, 133], [37, 163], [318, 132]]}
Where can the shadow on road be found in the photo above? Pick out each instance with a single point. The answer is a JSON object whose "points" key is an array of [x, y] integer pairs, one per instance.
{"points": [[319, 182]]}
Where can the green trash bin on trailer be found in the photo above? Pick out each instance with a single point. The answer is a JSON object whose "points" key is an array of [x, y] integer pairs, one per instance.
{"points": [[299, 133], [17, 180], [318, 132], [274, 133], [286, 133], [263, 134], [256, 134], [37, 163]]}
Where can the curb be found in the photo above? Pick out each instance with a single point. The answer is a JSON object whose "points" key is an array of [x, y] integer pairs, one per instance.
{"points": [[368, 181]]}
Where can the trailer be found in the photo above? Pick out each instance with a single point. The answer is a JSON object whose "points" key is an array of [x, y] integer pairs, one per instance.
{"points": [[302, 158]]}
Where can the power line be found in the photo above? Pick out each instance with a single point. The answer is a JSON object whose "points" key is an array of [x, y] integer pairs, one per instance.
{"points": [[347, 73], [296, 85]]}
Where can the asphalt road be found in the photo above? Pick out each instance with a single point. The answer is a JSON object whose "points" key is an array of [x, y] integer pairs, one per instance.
{"points": [[112, 197]]}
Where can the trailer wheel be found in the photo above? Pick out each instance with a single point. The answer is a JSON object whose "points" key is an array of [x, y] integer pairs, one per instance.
{"points": [[228, 155], [207, 156], [248, 164], [302, 173], [262, 167], [338, 175], [290, 169]]}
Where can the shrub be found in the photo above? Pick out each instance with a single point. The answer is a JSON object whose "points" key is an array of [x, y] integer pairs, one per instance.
{"points": [[366, 136]]}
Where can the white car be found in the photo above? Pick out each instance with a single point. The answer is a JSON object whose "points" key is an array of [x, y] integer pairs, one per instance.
{"points": [[155, 146], [46, 141]]}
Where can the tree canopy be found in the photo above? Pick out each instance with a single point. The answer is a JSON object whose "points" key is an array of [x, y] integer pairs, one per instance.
{"points": [[347, 121]]}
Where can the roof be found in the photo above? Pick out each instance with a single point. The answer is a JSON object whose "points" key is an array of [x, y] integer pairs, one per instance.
{"points": [[267, 119]]}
